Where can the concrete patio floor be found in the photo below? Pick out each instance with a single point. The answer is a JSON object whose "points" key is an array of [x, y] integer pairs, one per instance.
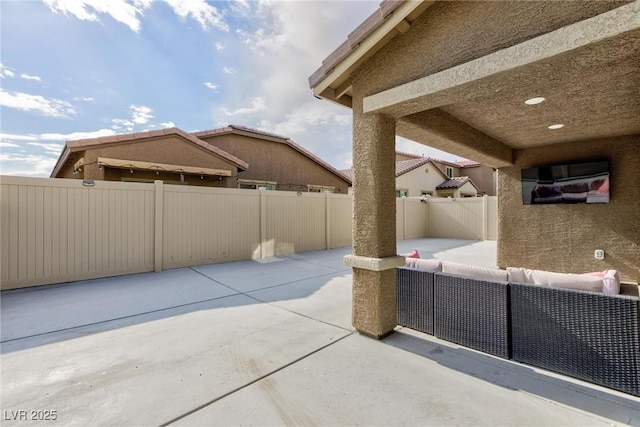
{"points": [[265, 342]]}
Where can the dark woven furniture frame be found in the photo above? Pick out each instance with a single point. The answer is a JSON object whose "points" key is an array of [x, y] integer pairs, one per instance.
{"points": [[474, 313], [415, 299], [586, 335]]}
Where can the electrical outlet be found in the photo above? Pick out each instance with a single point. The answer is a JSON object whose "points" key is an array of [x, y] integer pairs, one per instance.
{"points": [[598, 254]]}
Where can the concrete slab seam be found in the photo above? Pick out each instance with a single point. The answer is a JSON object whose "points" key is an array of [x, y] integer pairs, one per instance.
{"points": [[272, 286], [229, 393], [248, 295]]}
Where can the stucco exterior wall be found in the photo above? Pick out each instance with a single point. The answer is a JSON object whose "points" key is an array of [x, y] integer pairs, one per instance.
{"points": [[425, 177], [168, 150], [483, 176], [453, 33], [275, 161], [563, 237]]}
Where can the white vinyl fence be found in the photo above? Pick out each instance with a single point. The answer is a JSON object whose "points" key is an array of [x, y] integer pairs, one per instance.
{"points": [[57, 230]]}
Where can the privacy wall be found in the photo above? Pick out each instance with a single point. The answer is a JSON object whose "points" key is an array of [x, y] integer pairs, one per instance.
{"points": [[57, 230]]}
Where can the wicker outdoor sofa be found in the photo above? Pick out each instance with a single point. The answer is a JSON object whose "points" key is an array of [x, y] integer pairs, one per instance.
{"points": [[586, 334]]}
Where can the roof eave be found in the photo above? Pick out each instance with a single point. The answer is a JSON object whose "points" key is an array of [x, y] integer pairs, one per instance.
{"points": [[61, 161], [375, 32]]}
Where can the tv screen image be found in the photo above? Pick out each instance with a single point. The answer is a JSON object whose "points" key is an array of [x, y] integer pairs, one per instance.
{"points": [[571, 183]]}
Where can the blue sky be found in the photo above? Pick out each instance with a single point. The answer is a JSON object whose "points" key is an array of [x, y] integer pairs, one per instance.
{"points": [[74, 69]]}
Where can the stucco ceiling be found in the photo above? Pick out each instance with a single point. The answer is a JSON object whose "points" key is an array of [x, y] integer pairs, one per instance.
{"points": [[594, 91]]}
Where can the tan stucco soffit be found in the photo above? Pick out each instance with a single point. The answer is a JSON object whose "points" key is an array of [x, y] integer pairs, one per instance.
{"points": [[161, 167], [439, 89], [368, 46], [374, 264]]}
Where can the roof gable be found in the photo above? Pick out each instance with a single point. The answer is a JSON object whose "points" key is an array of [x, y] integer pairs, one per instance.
{"points": [[266, 136], [405, 166], [456, 182]]}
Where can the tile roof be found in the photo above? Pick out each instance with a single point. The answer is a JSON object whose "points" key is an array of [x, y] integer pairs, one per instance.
{"points": [[255, 133], [354, 39], [468, 163], [348, 172], [402, 153], [404, 166], [455, 182]]}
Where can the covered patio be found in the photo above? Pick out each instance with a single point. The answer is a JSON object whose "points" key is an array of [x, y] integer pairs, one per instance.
{"points": [[510, 84], [267, 342]]}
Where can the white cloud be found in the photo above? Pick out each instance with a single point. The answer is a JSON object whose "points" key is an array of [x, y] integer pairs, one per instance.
{"points": [[36, 103], [12, 137], [140, 114], [228, 70], [26, 164], [219, 46], [257, 104], [203, 12], [119, 124], [73, 136], [30, 77], [211, 86], [84, 98], [87, 10], [305, 116], [408, 146], [49, 148], [8, 144], [5, 71], [168, 124]]}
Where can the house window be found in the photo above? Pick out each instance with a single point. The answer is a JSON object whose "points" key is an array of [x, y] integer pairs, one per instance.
{"points": [[320, 189], [403, 192], [256, 185], [449, 172]]}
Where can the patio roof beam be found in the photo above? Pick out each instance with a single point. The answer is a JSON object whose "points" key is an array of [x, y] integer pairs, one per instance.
{"points": [[441, 130]]}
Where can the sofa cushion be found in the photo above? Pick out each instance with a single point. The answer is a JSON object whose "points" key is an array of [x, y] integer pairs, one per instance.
{"points": [[563, 280], [432, 265], [475, 271], [610, 280]]}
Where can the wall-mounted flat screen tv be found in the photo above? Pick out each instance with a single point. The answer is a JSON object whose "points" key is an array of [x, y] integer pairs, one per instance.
{"points": [[571, 183]]}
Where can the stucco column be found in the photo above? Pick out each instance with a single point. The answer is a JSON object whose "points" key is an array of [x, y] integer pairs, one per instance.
{"points": [[374, 256]]}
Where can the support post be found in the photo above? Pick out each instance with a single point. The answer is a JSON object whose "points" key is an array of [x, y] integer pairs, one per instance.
{"points": [[374, 256]]}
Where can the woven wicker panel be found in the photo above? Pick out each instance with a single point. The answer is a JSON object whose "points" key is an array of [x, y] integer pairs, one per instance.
{"points": [[473, 313], [586, 335], [415, 299]]}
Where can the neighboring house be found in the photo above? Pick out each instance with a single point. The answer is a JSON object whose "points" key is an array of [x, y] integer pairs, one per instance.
{"points": [[275, 161], [424, 176], [231, 157]]}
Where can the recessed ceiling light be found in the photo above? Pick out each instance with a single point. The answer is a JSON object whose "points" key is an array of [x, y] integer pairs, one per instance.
{"points": [[556, 126], [534, 101]]}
